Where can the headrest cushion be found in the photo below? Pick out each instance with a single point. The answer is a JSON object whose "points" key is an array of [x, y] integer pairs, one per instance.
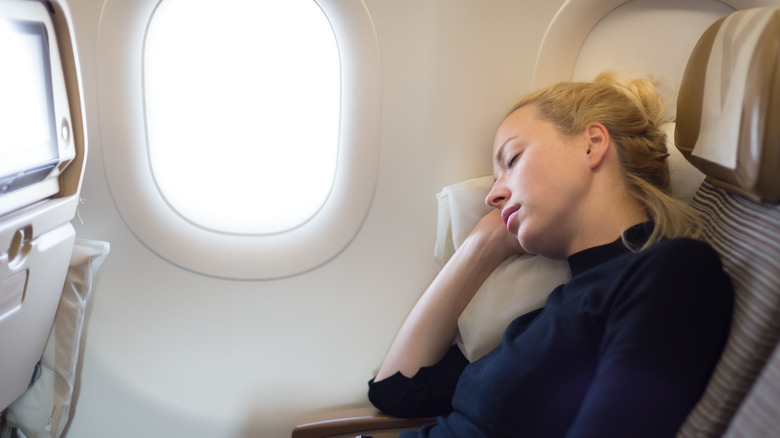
{"points": [[728, 107]]}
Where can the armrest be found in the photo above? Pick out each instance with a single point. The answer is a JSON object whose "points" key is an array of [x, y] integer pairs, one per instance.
{"points": [[357, 421]]}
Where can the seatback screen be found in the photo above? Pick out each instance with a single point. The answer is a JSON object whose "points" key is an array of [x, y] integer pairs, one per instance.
{"points": [[28, 142]]}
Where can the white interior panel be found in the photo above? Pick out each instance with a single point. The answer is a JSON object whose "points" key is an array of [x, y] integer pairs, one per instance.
{"points": [[663, 29], [635, 38]]}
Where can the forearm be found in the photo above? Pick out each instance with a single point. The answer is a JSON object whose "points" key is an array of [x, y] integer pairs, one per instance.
{"points": [[430, 328]]}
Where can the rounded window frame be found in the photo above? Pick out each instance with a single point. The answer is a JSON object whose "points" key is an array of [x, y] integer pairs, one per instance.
{"points": [[160, 228], [570, 27]]}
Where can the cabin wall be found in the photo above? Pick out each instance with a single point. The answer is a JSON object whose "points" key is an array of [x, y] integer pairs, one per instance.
{"points": [[170, 352]]}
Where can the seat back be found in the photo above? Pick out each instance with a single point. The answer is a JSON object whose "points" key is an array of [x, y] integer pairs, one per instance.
{"points": [[727, 102], [42, 153], [757, 415]]}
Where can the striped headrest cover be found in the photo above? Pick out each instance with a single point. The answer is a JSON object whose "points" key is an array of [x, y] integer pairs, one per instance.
{"points": [[728, 106], [728, 126]]}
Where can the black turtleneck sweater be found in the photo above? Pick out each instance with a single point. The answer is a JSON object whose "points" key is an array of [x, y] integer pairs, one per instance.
{"points": [[624, 349]]}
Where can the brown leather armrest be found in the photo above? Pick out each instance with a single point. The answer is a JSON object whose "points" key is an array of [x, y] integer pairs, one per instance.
{"points": [[357, 421]]}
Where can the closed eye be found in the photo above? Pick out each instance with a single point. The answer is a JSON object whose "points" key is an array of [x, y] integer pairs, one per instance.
{"points": [[512, 160]]}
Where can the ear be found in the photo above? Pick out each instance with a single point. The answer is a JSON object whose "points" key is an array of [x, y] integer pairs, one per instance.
{"points": [[598, 143]]}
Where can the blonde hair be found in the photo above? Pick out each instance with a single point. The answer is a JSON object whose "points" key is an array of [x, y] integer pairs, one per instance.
{"points": [[632, 110]]}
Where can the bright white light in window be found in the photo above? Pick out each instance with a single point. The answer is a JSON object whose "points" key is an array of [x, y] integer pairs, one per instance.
{"points": [[242, 109]]}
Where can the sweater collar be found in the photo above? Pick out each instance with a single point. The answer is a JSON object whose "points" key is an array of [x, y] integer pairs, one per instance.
{"points": [[637, 235]]}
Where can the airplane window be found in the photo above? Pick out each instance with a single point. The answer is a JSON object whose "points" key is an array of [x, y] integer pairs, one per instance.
{"points": [[243, 141], [242, 111]]}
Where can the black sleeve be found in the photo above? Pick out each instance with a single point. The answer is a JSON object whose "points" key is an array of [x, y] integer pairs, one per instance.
{"points": [[427, 394]]}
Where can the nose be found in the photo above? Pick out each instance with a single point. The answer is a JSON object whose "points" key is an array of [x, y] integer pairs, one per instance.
{"points": [[498, 195]]}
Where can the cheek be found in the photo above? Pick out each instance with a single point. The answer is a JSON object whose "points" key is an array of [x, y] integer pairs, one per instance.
{"points": [[554, 175], [534, 177]]}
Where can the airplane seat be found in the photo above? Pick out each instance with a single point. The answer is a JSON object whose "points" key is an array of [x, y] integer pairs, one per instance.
{"points": [[728, 104], [727, 101], [43, 147]]}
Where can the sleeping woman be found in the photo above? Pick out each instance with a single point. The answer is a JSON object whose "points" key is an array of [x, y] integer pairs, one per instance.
{"points": [[624, 349]]}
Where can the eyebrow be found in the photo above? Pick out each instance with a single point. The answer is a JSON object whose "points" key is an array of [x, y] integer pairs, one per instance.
{"points": [[500, 152]]}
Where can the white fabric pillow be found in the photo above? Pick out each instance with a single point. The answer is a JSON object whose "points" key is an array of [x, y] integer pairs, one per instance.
{"points": [[43, 410], [519, 285]]}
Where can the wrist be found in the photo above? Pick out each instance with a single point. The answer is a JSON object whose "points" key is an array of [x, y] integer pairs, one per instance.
{"points": [[485, 250]]}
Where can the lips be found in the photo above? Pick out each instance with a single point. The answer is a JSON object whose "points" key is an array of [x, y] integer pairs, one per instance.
{"points": [[508, 214]]}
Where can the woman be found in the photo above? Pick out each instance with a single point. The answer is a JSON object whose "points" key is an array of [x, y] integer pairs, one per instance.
{"points": [[626, 348]]}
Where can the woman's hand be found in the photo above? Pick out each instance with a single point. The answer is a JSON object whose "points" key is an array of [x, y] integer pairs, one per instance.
{"points": [[492, 232]]}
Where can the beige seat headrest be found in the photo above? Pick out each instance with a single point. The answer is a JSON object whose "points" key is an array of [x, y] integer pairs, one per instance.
{"points": [[728, 108]]}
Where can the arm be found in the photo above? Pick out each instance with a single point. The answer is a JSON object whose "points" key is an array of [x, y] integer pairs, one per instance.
{"points": [[429, 330]]}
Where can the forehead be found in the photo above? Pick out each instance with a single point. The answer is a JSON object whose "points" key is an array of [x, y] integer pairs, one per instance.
{"points": [[521, 119], [520, 125]]}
